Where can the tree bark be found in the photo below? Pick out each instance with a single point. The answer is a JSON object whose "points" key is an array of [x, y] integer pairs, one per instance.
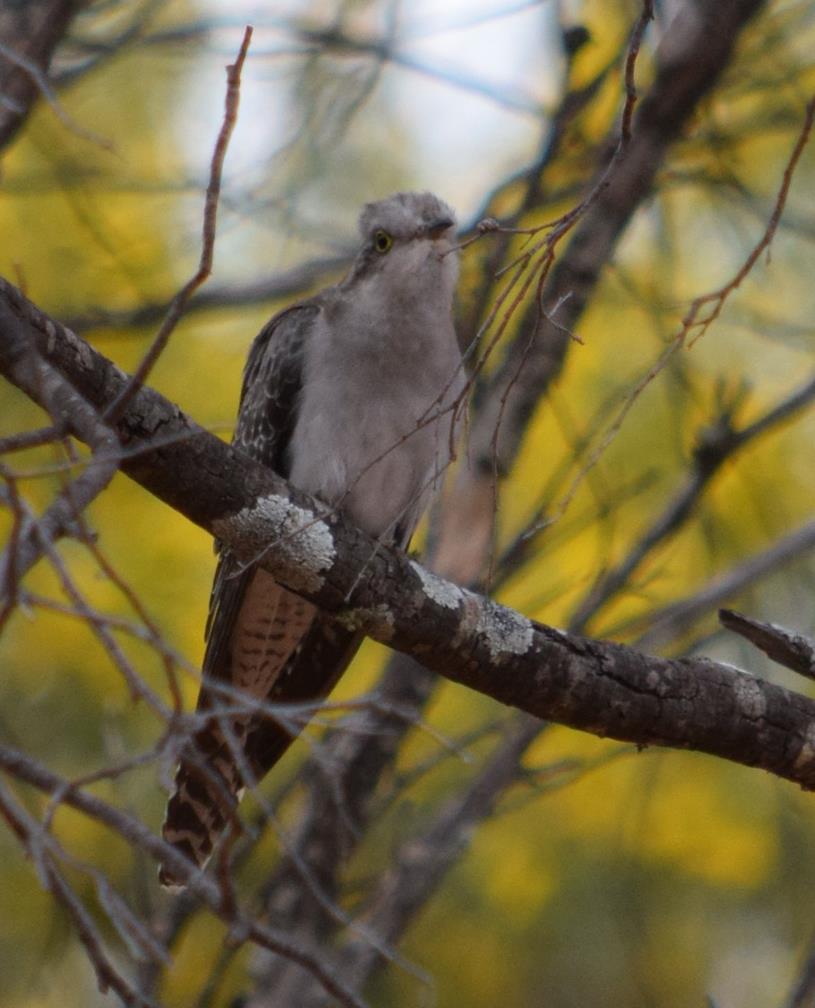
{"points": [[597, 686]]}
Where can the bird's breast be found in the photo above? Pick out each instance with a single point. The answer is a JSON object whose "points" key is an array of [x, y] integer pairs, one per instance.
{"points": [[373, 431]]}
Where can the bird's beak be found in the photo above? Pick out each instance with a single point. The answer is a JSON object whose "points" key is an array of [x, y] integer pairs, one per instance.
{"points": [[438, 228]]}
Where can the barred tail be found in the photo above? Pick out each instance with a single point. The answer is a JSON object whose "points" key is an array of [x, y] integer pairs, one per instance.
{"points": [[208, 783], [206, 796]]}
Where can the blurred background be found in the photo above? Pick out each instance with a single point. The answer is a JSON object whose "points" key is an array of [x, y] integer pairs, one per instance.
{"points": [[592, 874]]}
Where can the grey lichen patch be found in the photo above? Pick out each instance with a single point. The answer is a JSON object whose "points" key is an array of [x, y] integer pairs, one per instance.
{"points": [[653, 680], [750, 697], [302, 541], [377, 621], [438, 590], [506, 631]]}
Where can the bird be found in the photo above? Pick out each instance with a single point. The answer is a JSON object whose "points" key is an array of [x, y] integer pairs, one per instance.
{"points": [[356, 396]]}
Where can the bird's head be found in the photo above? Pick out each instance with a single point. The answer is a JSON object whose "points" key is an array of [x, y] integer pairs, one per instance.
{"points": [[407, 243]]}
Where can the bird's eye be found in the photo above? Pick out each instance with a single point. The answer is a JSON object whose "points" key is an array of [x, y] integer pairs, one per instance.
{"points": [[382, 241]]}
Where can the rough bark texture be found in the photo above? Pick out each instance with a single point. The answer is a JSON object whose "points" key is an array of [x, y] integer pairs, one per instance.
{"points": [[597, 686]]}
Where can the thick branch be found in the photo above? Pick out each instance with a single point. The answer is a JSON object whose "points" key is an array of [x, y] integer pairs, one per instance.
{"points": [[604, 688]]}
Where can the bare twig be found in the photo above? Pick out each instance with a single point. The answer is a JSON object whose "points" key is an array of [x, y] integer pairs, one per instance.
{"points": [[716, 444], [44, 851], [692, 323], [242, 926], [673, 620], [179, 302], [30, 439], [790, 649], [44, 87], [67, 407], [630, 66]]}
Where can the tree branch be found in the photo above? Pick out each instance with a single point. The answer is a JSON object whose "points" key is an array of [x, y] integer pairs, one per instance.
{"points": [[790, 649], [676, 618], [243, 927], [597, 686], [690, 59], [29, 34]]}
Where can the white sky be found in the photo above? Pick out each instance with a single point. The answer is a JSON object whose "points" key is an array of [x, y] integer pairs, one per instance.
{"points": [[462, 142]]}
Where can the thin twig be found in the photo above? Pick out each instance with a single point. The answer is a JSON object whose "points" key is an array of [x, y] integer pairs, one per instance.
{"points": [[790, 649], [46, 90], [717, 298], [630, 66], [179, 302], [243, 926], [665, 625], [716, 444]]}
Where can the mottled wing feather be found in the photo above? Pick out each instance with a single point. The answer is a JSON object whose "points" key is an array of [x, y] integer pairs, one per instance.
{"points": [[271, 383], [272, 380], [244, 602]]}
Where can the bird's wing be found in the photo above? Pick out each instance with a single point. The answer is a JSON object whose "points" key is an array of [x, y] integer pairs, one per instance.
{"points": [[272, 380], [254, 625]]}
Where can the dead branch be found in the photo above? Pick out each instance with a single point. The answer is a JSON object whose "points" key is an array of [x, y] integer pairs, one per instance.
{"points": [[790, 649]]}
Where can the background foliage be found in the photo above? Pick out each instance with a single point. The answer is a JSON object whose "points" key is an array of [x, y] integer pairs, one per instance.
{"points": [[606, 876]]}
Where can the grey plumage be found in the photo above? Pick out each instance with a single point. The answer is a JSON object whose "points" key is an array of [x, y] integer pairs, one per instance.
{"points": [[355, 395]]}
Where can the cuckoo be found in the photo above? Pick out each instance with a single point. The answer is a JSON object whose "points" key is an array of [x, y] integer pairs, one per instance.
{"points": [[355, 396]]}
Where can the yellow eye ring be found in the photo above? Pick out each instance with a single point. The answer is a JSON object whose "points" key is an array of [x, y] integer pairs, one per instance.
{"points": [[382, 241]]}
